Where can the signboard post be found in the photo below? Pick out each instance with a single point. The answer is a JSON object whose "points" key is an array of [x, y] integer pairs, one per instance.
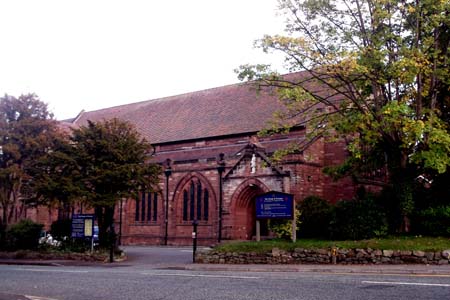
{"points": [[83, 226], [275, 205]]}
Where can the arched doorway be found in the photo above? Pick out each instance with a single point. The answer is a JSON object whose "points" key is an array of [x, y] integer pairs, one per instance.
{"points": [[243, 204]]}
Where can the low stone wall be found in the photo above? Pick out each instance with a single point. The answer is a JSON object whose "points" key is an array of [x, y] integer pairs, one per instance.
{"points": [[325, 256]]}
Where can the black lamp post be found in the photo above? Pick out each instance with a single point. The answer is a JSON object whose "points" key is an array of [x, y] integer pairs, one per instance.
{"points": [[112, 237], [167, 172], [220, 169]]}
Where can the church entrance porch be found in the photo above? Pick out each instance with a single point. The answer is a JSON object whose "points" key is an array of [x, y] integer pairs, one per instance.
{"points": [[244, 211]]}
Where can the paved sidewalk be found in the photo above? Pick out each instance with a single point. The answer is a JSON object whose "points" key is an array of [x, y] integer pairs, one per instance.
{"points": [[55, 263], [365, 269], [430, 270], [180, 258]]}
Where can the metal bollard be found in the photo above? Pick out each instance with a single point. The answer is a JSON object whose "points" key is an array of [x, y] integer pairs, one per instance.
{"points": [[333, 255], [194, 239]]}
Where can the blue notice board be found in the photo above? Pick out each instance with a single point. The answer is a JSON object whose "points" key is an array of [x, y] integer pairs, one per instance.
{"points": [[82, 225], [274, 205]]}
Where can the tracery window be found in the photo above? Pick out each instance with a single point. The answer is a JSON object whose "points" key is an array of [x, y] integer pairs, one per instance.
{"points": [[147, 207], [195, 202]]}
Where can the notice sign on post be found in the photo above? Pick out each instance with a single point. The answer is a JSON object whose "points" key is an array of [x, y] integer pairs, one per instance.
{"points": [[82, 225], [275, 205]]}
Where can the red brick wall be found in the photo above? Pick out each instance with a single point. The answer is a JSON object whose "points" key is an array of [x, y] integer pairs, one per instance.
{"points": [[197, 160], [300, 174]]}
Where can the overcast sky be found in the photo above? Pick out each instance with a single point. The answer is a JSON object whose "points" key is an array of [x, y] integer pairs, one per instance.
{"points": [[91, 54]]}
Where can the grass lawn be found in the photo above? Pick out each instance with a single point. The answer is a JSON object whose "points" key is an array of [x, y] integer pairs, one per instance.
{"points": [[389, 243]]}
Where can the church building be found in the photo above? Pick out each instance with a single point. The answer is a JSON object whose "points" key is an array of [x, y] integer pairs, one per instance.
{"points": [[215, 165]]}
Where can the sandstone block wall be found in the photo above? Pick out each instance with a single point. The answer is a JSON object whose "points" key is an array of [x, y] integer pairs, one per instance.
{"points": [[325, 256]]}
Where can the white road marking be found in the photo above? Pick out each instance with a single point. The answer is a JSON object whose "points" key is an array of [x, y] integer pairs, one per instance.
{"points": [[190, 249], [386, 274], [200, 275], [38, 298], [407, 283], [51, 270]]}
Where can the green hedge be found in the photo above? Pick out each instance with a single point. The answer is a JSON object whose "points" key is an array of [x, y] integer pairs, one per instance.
{"points": [[315, 218], [24, 235], [61, 228], [432, 221], [358, 219]]}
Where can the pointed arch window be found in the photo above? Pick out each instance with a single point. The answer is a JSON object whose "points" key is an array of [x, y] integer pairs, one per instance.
{"points": [[199, 201], [195, 202], [136, 216], [143, 207], [146, 209], [192, 202], [185, 205]]}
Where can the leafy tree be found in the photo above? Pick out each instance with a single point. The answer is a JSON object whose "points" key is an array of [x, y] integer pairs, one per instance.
{"points": [[376, 73], [112, 163], [55, 177], [26, 134]]}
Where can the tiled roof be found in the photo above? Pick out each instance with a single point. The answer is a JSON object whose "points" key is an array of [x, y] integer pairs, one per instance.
{"points": [[219, 111], [226, 110], [65, 126]]}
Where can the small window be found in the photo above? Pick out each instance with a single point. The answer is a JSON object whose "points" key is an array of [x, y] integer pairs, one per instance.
{"points": [[155, 206], [143, 207], [149, 207]]}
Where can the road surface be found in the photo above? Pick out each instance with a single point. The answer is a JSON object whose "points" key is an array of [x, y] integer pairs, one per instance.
{"points": [[137, 282]]}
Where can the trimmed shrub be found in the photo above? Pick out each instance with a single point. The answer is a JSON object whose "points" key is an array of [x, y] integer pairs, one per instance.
{"points": [[315, 216], [24, 235], [433, 221], [389, 203], [2, 237], [61, 228], [283, 228], [76, 245], [358, 219]]}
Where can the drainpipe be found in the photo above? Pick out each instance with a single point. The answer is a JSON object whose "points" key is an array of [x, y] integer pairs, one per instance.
{"points": [[220, 169]]}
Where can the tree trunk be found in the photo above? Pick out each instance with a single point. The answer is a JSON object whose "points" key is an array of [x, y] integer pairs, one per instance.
{"points": [[405, 225], [3, 228], [403, 189], [10, 216], [112, 234], [105, 218], [4, 220], [401, 177], [102, 236]]}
